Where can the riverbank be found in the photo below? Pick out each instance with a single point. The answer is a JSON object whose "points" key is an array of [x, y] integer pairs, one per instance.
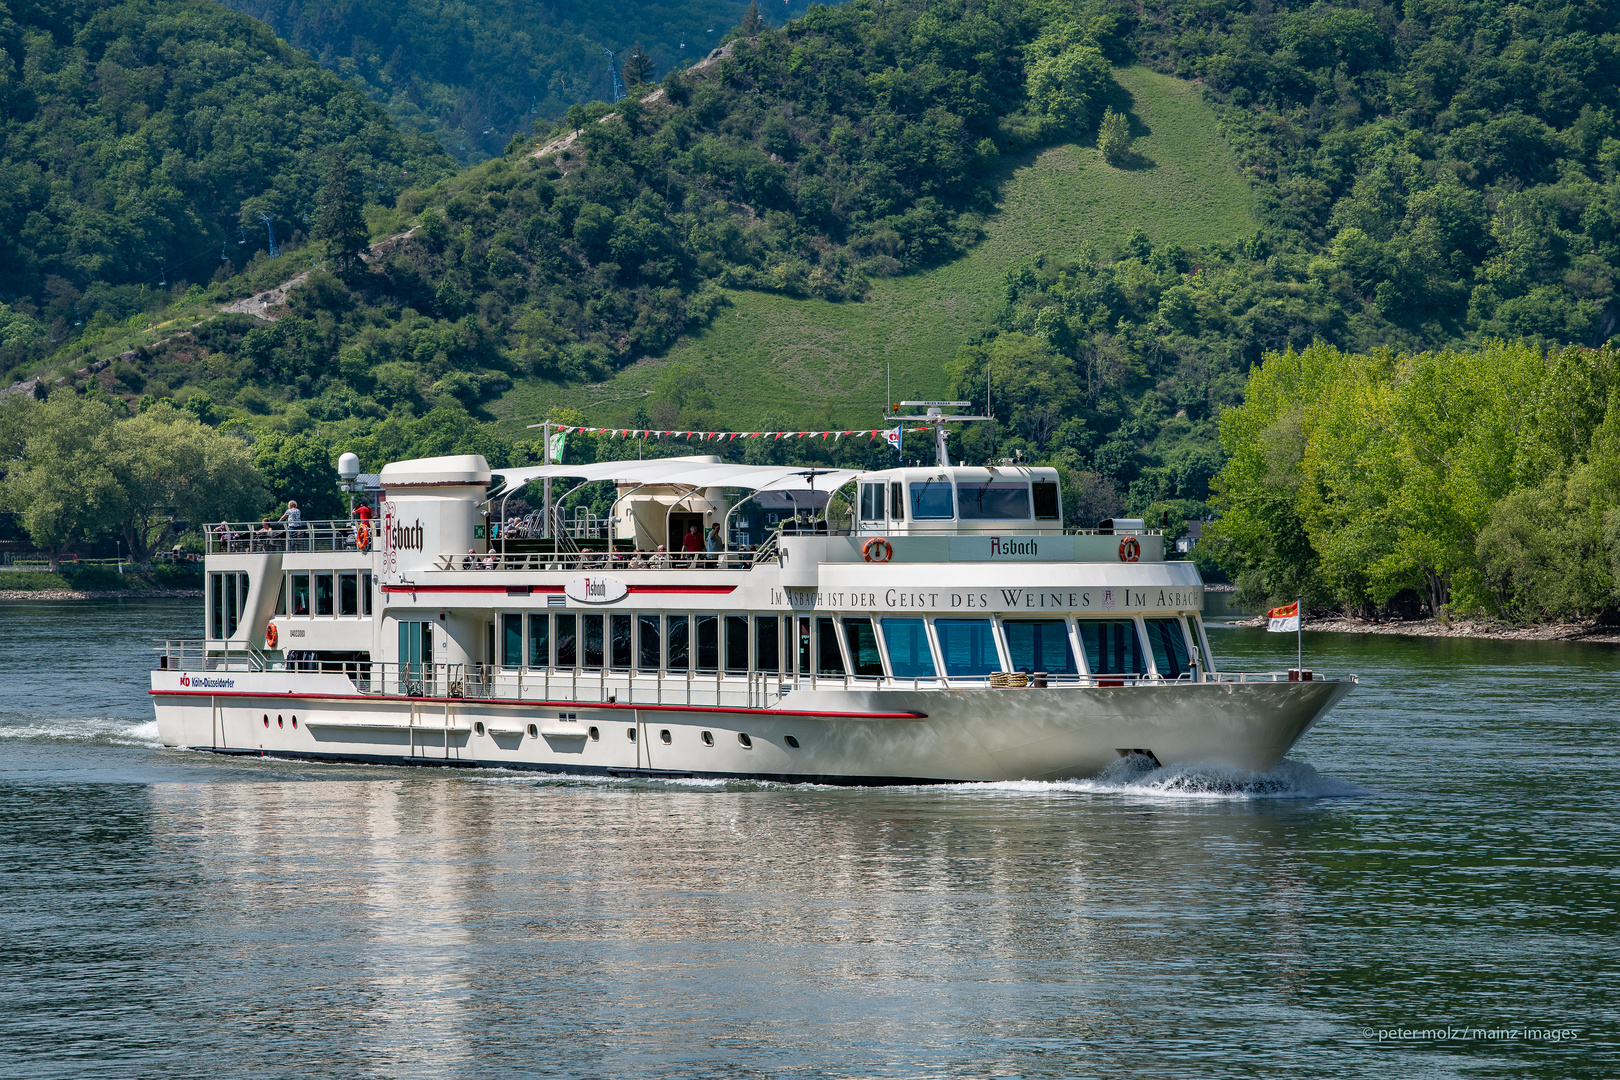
{"points": [[100, 594], [1459, 628]]}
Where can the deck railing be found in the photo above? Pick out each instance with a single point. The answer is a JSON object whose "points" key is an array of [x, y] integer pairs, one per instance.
{"points": [[615, 686], [245, 537], [604, 560]]}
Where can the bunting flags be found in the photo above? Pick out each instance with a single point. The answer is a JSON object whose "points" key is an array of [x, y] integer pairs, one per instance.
{"points": [[891, 435]]}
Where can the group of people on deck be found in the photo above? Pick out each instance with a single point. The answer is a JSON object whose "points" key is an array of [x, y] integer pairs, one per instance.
{"points": [[290, 526]]}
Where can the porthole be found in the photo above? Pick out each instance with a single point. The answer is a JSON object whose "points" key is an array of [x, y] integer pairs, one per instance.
{"points": [[279, 721], [630, 733], [708, 739], [266, 719], [596, 736], [533, 731], [295, 720], [791, 741], [479, 727], [665, 736], [742, 737]]}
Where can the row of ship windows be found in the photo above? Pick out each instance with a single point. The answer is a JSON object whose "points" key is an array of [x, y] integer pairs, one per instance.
{"points": [[897, 647], [302, 592]]}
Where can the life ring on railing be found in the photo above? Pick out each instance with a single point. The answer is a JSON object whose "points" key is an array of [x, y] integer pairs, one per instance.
{"points": [[270, 636], [1129, 550], [877, 549], [362, 537]]}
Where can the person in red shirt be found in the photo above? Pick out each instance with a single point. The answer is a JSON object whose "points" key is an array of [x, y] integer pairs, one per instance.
{"points": [[692, 544]]}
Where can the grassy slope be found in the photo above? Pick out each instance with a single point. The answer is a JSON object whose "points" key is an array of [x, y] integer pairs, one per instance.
{"points": [[812, 361]]}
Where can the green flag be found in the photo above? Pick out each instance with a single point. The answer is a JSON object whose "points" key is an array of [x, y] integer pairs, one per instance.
{"points": [[557, 442]]}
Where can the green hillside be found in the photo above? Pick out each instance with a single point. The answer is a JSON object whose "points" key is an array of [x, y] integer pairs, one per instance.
{"points": [[805, 360]]}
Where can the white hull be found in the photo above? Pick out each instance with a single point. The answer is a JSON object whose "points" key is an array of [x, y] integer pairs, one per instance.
{"points": [[844, 736]]}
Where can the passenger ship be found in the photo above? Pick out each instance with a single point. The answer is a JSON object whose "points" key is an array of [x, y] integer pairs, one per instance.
{"points": [[950, 630]]}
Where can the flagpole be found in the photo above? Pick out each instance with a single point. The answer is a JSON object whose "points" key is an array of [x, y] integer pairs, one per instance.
{"points": [[1299, 634]]}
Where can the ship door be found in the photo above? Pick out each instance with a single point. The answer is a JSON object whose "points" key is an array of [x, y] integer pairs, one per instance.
{"points": [[678, 524], [416, 658]]}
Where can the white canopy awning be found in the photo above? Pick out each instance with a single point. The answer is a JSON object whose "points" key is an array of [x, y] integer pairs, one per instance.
{"points": [[677, 472]]}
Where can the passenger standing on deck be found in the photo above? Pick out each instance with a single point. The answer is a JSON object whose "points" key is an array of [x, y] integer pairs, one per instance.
{"points": [[692, 544], [294, 518], [713, 545]]}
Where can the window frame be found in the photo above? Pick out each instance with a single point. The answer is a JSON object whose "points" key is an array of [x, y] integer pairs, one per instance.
{"points": [[995, 640], [928, 643]]}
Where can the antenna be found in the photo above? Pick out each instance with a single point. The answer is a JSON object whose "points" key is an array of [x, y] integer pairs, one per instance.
{"points": [[936, 416], [268, 228], [618, 87]]}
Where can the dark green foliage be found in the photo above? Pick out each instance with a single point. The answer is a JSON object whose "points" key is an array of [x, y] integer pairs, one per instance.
{"points": [[140, 135], [340, 226]]}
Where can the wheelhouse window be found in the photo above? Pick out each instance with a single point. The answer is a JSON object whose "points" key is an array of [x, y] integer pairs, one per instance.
{"points": [[863, 649], [540, 641], [897, 501], [300, 593], [648, 643], [1039, 645], [708, 644], [736, 644], [968, 647], [1169, 645], [931, 500], [1112, 647], [909, 655], [871, 502], [829, 661], [567, 635], [994, 500], [1048, 507], [511, 640], [349, 593], [323, 592]]}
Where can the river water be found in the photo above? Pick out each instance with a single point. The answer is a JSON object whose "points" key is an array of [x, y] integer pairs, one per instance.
{"points": [[1438, 858]]}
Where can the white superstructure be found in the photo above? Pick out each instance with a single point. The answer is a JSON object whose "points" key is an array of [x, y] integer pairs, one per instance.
{"points": [[950, 630]]}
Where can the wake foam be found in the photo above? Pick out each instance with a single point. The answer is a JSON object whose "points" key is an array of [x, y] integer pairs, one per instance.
{"points": [[1137, 776], [98, 730]]}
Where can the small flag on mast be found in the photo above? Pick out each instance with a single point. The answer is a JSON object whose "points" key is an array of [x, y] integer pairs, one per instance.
{"points": [[1283, 620]]}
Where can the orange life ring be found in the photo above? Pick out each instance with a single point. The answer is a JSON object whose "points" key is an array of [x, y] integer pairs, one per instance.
{"points": [[362, 537], [877, 549], [270, 636], [1129, 550]]}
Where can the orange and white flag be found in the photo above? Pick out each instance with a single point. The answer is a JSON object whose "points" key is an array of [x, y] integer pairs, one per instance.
{"points": [[1284, 619]]}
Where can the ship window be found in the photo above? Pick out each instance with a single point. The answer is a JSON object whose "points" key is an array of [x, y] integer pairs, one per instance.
{"points": [[804, 646], [300, 594], [1112, 647], [619, 640], [349, 593], [567, 641], [708, 644], [1048, 507], [863, 649], [1201, 641], [365, 592], [829, 661], [968, 647], [1039, 645], [736, 644], [768, 643], [1169, 645], [931, 500], [591, 632], [994, 500], [647, 642], [323, 593], [871, 502], [897, 501], [511, 639], [281, 597], [679, 646], [909, 657], [539, 641], [216, 606]]}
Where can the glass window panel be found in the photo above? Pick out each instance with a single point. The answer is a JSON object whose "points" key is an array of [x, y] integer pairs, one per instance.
{"points": [[349, 593], [708, 644], [231, 602], [871, 502], [1112, 647], [968, 647], [931, 500], [736, 644], [648, 639], [1039, 645], [804, 646], [620, 644], [216, 605], [365, 593], [679, 646], [829, 660], [323, 593], [1169, 647], [897, 501], [863, 648], [591, 631], [300, 594], [281, 597], [1201, 640], [994, 500], [567, 641], [1047, 505], [539, 641], [907, 640], [768, 643], [511, 640]]}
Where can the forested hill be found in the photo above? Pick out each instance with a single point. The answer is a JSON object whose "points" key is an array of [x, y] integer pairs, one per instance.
{"points": [[477, 74], [137, 137]]}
